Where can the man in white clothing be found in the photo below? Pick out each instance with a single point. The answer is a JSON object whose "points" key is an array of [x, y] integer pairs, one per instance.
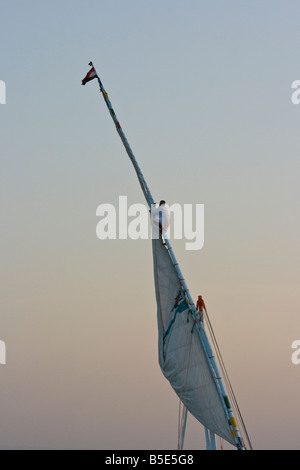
{"points": [[160, 218]]}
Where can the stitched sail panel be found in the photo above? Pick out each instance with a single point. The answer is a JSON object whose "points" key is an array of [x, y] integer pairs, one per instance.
{"points": [[181, 356]]}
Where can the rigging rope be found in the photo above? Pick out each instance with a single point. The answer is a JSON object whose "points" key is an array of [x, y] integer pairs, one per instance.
{"points": [[226, 377], [181, 424], [183, 413]]}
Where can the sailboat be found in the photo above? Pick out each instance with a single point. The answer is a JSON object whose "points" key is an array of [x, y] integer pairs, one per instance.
{"points": [[189, 355]]}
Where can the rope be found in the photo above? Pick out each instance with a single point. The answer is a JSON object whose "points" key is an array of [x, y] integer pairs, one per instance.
{"points": [[183, 417], [181, 424], [226, 377]]}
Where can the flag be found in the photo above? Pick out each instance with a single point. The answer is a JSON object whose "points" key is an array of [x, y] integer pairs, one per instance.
{"points": [[89, 76]]}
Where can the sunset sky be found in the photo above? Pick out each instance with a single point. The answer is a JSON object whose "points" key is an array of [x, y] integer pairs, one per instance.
{"points": [[203, 93]]}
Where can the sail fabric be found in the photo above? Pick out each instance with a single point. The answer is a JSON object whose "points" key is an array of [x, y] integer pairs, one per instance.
{"points": [[181, 355]]}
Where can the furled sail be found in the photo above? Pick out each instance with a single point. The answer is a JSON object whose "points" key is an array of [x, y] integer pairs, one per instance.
{"points": [[181, 355]]}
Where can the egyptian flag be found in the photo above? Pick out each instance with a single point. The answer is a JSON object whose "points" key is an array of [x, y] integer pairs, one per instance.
{"points": [[89, 76]]}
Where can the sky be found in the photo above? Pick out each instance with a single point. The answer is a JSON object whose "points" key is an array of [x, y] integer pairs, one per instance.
{"points": [[203, 93]]}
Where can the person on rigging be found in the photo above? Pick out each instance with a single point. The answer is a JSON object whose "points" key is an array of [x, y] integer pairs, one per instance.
{"points": [[200, 307], [160, 219]]}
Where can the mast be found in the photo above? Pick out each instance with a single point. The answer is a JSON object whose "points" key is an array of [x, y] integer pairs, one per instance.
{"points": [[183, 412], [199, 325], [140, 176]]}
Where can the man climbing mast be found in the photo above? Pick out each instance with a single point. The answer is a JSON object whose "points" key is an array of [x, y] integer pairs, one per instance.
{"points": [[200, 306], [160, 219]]}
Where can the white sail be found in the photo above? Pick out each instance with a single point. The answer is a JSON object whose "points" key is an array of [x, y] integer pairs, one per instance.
{"points": [[181, 356]]}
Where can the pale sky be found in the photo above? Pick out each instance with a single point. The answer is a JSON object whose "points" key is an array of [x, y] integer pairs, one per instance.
{"points": [[203, 93]]}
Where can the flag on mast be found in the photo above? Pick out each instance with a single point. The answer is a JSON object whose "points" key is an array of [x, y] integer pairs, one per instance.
{"points": [[89, 76]]}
